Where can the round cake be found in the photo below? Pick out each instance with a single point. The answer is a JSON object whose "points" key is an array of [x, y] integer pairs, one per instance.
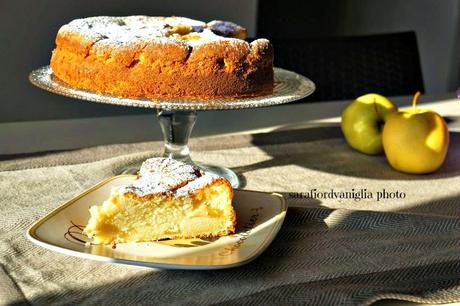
{"points": [[162, 57]]}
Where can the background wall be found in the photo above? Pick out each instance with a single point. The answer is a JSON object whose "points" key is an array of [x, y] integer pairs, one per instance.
{"points": [[436, 24], [28, 28]]}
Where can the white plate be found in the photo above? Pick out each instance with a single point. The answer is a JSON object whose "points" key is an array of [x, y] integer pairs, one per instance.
{"points": [[259, 218]]}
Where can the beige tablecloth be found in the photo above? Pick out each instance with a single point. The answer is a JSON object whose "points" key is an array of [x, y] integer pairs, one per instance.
{"points": [[330, 250]]}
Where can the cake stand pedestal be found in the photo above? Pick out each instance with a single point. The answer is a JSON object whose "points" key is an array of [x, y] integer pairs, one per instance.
{"points": [[177, 117], [177, 127]]}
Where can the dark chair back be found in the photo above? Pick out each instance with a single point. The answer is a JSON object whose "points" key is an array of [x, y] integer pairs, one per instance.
{"points": [[341, 67]]}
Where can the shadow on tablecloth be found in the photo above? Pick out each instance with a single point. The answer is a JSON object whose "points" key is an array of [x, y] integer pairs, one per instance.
{"points": [[320, 257], [338, 158]]}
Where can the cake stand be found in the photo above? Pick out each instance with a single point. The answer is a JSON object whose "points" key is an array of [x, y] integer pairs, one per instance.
{"points": [[177, 117]]}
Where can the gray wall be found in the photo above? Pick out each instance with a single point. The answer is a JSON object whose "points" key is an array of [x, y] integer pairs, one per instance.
{"points": [[436, 23]]}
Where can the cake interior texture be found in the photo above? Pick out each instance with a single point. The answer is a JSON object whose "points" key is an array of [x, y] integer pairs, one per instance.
{"points": [[153, 207]]}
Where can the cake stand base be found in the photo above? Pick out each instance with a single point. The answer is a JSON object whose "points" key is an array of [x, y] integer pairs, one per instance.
{"points": [[229, 174], [176, 127]]}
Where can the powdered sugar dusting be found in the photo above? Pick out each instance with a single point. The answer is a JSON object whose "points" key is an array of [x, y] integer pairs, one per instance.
{"points": [[197, 184], [119, 31], [164, 175]]}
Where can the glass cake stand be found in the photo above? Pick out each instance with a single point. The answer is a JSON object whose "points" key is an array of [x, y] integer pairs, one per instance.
{"points": [[177, 117]]}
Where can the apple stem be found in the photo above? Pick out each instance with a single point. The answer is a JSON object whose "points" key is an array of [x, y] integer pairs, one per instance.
{"points": [[415, 98], [375, 106]]}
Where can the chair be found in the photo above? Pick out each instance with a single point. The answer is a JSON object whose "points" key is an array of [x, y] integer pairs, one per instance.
{"points": [[342, 67]]}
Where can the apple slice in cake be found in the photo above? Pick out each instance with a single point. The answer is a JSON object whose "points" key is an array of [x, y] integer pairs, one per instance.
{"points": [[169, 199]]}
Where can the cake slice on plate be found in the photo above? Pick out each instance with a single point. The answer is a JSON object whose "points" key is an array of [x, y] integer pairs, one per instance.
{"points": [[169, 199]]}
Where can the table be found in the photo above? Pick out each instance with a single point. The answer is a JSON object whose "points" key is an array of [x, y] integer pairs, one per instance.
{"points": [[328, 251]]}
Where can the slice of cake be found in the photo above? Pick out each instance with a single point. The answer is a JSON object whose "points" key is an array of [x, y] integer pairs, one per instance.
{"points": [[169, 199]]}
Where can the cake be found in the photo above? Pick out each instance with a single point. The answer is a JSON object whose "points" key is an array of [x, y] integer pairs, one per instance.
{"points": [[162, 57], [168, 200]]}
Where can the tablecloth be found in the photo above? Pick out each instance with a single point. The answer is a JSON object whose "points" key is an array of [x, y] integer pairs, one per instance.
{"points": [[356, 231]]}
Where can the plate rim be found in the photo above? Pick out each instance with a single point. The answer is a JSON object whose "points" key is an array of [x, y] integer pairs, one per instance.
{"points": [[166, 103], [33, 237]]}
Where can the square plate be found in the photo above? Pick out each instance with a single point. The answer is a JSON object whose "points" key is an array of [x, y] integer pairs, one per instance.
{"points": [[259, 218]]}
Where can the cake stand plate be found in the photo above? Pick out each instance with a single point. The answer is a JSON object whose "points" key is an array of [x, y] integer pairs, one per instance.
{"points": [[177, 116]]}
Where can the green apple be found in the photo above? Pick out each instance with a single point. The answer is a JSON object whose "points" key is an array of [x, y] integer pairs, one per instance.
{"points": [[363, 120]]}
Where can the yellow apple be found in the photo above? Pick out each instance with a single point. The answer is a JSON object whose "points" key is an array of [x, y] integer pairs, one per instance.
{"points": [[415, 140], [362, 122]]}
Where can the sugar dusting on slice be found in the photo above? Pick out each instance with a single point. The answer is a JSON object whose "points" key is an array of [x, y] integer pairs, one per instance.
{"points": [[164, 175]]}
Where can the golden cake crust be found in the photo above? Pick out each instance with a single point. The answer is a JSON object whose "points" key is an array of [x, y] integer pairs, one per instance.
{"points": [[162, 57]]}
